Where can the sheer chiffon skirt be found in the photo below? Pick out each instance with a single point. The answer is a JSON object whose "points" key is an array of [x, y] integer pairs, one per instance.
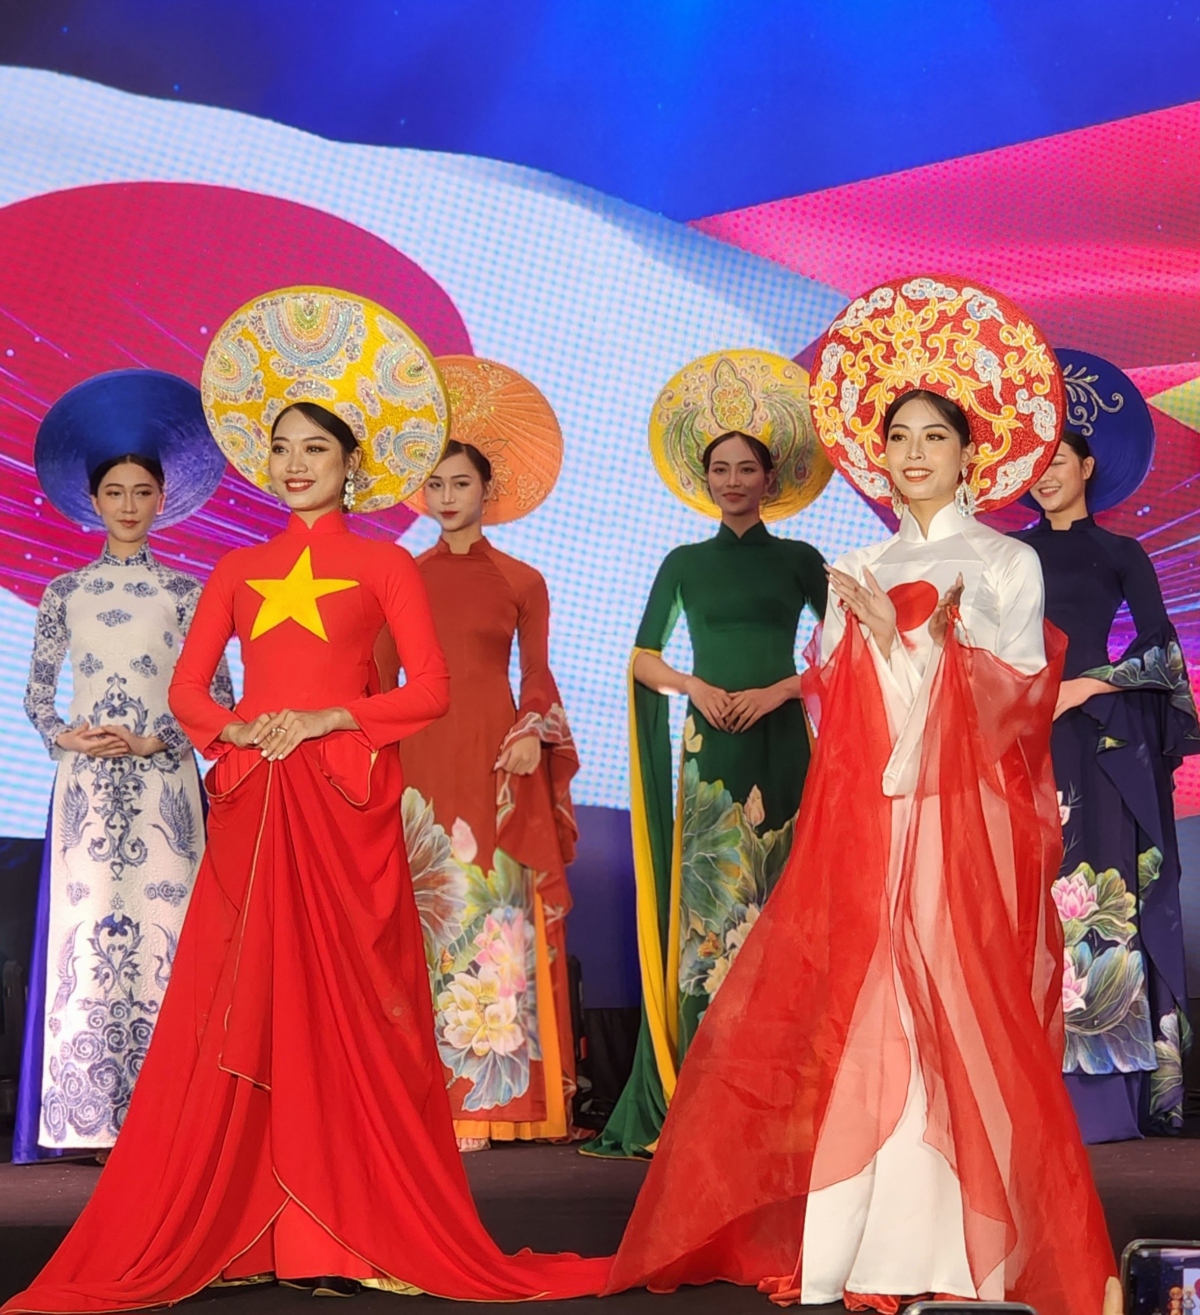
{"points": [[874, 1102]]}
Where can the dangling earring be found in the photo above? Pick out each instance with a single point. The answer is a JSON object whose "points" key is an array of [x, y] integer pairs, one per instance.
{"points": [[898, 504], [348, 493], [964, 499]]}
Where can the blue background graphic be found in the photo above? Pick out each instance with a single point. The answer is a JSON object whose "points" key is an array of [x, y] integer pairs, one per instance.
{"points": [[686, 107]]}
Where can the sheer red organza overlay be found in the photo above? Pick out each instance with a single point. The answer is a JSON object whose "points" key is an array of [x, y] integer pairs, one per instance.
{"points": [[799, 1072]]}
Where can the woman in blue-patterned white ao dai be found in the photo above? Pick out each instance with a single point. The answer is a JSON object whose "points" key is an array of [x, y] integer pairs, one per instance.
{"points": [[125, 835]]}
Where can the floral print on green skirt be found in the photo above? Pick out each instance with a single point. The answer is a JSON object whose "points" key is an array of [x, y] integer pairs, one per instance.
{"points": [[729, 867]]}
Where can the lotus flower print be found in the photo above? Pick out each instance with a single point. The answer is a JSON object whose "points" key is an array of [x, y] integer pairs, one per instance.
{"points": [[729, 867], [716, 976], [504, 946], [737, 937], [463, 844], [734, 940], [1074, 987], [1074, 897]]}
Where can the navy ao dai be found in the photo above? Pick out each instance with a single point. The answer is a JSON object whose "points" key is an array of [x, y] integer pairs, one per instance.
{"points": [[1124, 989]]}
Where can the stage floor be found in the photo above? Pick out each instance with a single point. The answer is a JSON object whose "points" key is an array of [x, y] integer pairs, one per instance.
{"points": [[553, 1199]]}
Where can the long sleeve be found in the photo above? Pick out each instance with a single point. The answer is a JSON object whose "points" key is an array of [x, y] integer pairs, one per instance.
{"points": [[900, 675], [1154, 659], [222, 682], [540, 711], [186, 591], [538, 689], [662, 607], [1139, 583], [200, 715], [1022, 637], [425, 695], [650, 734], [833, 624], [813, 579], [1020, 643], [50, 641]]}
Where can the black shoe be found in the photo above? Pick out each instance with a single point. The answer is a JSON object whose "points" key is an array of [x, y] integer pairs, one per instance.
{"points": [[333, 1285]]}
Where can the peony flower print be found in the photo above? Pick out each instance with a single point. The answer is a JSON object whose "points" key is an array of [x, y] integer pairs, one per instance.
{"points": [[439, 882], [734, 940], [482, 1038], [480, 1015], [716, 975], [737, 937], [1105, 1002], [483, 976]]}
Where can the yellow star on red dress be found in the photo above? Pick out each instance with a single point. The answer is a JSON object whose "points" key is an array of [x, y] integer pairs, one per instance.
{"points": [[294, 598]]}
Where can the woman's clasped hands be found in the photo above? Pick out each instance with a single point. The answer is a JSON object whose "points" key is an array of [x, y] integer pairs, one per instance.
{"points": [[738, 711], [277, 734], [108, 742]]}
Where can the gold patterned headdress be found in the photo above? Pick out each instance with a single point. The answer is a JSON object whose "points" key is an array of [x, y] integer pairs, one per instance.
{"points": [[955, 339], [345, 353], [753, 392]]}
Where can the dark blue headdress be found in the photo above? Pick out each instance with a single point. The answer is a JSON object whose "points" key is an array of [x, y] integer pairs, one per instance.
{"points": [[148, 412], [1105, 406]]}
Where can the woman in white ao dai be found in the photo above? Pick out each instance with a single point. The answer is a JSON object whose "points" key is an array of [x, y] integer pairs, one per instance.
{"points": [[873, 1233], [125, 832]]}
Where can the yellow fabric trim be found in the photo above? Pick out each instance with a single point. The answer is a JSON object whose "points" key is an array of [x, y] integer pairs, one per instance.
{"points": [[650, 950], [554, 1125], [673, 927]]}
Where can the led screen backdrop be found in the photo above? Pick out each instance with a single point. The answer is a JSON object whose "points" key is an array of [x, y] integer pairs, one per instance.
{"points": [[130, 225], [595, 300]]}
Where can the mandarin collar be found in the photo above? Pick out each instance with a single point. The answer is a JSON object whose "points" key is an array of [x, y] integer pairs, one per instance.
{"points": [[143, 557], [1081, 526], [757, 533], [480, 548], [332, 522], [945, 525]]}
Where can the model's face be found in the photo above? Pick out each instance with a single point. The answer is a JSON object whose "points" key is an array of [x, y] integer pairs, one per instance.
{"points": [[455, 493], [736, 480], [1065, 481], [307, 466], [127, 501], [924, 455]]}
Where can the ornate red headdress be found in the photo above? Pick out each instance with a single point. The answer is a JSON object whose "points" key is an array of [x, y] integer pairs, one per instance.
{"points": [[948, 337]]}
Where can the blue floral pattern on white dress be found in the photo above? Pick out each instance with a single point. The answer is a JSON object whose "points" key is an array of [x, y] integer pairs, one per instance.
{"points": [[126, 833]]}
